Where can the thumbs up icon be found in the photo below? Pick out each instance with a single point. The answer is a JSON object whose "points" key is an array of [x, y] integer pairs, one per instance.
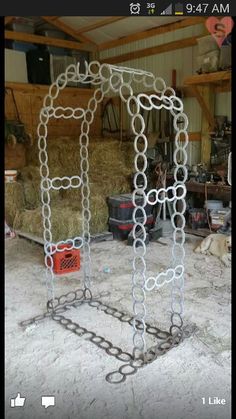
{"points": [[18, 401]]}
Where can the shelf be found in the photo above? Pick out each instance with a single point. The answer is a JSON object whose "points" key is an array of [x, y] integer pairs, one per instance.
{"points": [[218, 191], [218, 78], [220, 81], [37, 88]]}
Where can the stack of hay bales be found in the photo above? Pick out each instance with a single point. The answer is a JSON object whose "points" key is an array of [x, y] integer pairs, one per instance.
{"points": [[14, 201], [110, 173]]}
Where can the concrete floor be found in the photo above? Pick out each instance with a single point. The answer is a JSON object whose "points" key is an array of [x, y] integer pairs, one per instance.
{"points": [[44, 359]]}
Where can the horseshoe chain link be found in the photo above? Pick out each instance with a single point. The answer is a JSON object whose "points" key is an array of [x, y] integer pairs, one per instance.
{"points": [[175, 275], [119, 80], [131, 365]]}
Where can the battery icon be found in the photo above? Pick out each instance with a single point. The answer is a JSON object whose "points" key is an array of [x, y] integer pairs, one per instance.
{"points": [[179, 10]]}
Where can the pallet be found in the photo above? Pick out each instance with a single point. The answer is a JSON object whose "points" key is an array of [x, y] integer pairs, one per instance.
{"points": [[201, 232], [95, 238], [30, 237], [101, 237]]}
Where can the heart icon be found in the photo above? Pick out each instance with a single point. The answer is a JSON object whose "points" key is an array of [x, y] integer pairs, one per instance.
{"points": [[219, 28]]}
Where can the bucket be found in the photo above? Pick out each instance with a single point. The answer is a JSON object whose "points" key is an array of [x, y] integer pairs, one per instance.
{"points": [[10, 175], [213, 205]]}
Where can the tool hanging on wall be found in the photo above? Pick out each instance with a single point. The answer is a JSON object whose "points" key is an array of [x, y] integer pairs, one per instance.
{"points": [[151, 127], [178, 92], [110, 116], [15, 129], [154, 153], [163, 138]]}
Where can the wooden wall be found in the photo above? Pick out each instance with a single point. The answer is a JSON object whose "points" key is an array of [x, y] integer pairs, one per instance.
{"points": [[184, 59], [29, 100]]}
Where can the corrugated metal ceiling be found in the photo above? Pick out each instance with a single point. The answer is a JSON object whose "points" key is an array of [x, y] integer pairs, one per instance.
{"points": [[116, 30], [107, 32]]}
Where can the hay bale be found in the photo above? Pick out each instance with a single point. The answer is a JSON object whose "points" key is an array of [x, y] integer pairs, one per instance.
{"points": [[104, 154], [30, 173], [29, 221], [66, 219], [108, 157], [30, 178], [110, 168], [99, 214], [14, 201], [32, 194], [100, 186], [66, 222]]}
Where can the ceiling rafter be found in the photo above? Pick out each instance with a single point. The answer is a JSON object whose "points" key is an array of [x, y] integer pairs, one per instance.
{"points": [[8, 19], [100, 23], [145, 52], [159, 30], [54, 20], [46, 40]]}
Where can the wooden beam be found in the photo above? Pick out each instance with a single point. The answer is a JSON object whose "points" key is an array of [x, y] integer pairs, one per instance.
{"points": [[158, 49], [217, 77], [43, 88], [45, 40], [225, 88], [8, 19], [207, 96], [217, 190], [192, 136], [159, 30], [100, 23], [203, 101], [53, 20]]}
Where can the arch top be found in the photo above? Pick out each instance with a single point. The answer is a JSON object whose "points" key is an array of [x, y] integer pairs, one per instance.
{"points": [[110, 78], [130, 70], [96, 73]]}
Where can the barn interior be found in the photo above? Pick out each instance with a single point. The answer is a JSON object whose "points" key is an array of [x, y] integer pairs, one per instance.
{"points": [[42, 358]]}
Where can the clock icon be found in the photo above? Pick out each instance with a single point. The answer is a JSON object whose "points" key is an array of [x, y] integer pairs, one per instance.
{"points": [[134, 8]]}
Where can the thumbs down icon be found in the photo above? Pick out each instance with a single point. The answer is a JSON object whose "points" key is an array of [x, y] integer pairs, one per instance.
{"points": [[18, 401]]}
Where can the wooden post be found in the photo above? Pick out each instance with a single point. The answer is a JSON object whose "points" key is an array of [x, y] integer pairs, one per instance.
{"points": [[208, 96], [121, 120]]}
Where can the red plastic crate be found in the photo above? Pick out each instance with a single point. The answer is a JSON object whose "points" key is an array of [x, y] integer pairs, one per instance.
{"points": [[66, 261]]}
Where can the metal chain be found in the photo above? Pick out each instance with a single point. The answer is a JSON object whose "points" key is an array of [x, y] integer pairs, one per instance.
{"points": [[58, 306], [178, 192], [72, 298], [119, 79], [178, 223]]}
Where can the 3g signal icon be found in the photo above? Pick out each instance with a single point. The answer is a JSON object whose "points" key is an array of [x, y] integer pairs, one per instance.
{"points": [[151, 8]]}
